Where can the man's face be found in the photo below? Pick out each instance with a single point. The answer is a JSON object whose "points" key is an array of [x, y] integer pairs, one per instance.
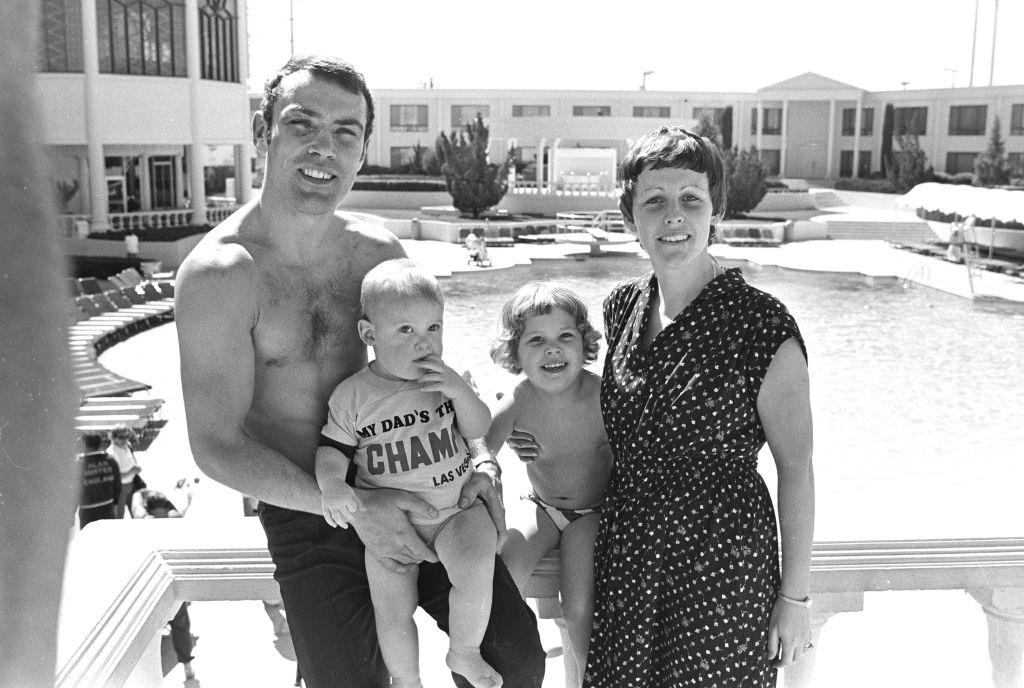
{"points": [[315, 144]]}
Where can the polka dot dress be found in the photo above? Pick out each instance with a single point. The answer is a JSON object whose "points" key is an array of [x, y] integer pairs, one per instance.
{"points": [[687, 553]]}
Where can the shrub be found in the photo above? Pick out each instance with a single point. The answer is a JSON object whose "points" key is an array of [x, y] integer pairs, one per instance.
{"points": [[909, 164], [871, 185], [960, 178], [745, 175], [991, 168], [398, 185], [154, 233], [370, 170], [474, 183]]}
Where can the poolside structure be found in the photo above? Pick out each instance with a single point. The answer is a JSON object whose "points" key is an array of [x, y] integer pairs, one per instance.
{"points": [[143, 107]]}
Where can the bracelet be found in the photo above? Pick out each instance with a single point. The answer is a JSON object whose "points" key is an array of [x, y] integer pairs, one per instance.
{"points": [[805, 603], [481, 463]]}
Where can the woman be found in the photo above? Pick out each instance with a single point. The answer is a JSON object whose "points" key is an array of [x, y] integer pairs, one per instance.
{"points": [[701, 370]]}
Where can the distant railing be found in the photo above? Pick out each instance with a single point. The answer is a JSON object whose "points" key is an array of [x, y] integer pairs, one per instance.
{"points": [[125, 579], [532, 188], [149, 219]]}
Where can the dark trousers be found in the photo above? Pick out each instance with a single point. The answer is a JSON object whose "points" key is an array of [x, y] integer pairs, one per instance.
{"points": [[327, 600]]}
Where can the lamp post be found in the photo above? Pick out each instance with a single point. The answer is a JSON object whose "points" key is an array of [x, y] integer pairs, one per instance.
{"points": [[643, 83], [954, 71]]}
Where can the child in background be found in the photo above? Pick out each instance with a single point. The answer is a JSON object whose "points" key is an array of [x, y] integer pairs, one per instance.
{"points": [[402, 421], [552, 420]]}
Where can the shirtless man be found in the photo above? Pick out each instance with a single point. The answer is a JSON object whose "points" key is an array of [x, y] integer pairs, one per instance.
{"points": [[266, 308]]}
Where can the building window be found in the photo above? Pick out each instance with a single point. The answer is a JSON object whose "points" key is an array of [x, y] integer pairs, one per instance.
{"points": [[408, 118], [1017, 119], [401, 155], [652, 111], [712, 113], [864, 164], [771, 124], [967, 120], [531, 110], [591, 110], [910, 120], [141, 37], [464, 114], [60, 44], [218, 40], [1015, 161], [771, 159], [867, 121], [960, 162], [845, 160]]}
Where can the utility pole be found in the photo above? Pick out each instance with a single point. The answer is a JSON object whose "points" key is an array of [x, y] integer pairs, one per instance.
{"points": [[995, 26], [974, 42], [954, 71], [291, 27]]}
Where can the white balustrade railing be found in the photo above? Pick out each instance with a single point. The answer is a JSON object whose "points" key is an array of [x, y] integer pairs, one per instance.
{"points": [[125, 579], [148, 219]]}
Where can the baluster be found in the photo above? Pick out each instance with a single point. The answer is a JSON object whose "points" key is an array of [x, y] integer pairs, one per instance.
{"points": [[1004, 609]]}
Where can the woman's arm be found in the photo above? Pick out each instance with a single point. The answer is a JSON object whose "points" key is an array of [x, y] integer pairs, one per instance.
{"points": [[784, 406]]}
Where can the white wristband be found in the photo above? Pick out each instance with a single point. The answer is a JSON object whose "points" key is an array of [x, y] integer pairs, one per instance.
{"points": [[805, 603]]}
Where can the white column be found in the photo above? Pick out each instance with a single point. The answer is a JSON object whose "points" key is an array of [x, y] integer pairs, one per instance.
{"points": [[243, 174], [541, 145], [179, 183], [551, 162], [243, 41], [145, 184], [83, 183], [197, 189], [758, 124], [100, 221], [830, 146], [857, 123], [738, 137], [785, 130]]}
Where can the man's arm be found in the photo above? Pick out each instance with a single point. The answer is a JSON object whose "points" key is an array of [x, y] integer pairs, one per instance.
{"points": [[215, 315]]}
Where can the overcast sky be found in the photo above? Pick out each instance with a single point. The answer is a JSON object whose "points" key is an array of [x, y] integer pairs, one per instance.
{"points": [[690, 45]]}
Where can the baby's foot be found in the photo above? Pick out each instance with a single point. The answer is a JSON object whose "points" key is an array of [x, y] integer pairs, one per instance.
{"points": [[467, 662], [411, 682]]}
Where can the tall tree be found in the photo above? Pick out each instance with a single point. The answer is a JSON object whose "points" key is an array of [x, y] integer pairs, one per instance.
{"points": [[745, 177], [887, 127], [992, 168], [909, 166], [726, 126], [474, 183]]}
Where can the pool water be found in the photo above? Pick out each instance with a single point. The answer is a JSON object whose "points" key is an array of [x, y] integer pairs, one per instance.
{"points": [[917, 395]]}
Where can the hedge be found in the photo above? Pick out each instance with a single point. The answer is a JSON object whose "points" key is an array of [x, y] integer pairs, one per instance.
{"points": [[154, 233], [872, 185]]}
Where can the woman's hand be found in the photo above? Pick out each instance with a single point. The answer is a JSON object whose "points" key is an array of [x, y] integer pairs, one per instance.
{"points": [[524, 445], [789, 633], [383, 525]]}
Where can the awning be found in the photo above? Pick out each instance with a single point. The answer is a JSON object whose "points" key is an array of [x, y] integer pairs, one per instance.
{"points": [[985, 204]]}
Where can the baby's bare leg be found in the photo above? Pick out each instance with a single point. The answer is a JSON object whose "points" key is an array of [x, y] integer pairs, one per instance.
{"points": [[466, 548], [531, 535], [578, 586], [394, 598]]}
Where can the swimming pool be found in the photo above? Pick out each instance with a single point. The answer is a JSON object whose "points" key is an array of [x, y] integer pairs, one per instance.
{"points": [[917, 395]]}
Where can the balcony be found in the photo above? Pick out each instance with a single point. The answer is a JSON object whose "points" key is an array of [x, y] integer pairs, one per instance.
{"points": [[123, 580]]}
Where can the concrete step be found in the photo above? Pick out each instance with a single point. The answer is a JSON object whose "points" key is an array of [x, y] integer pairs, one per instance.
{"points": [[906, 232], [825, 198]]}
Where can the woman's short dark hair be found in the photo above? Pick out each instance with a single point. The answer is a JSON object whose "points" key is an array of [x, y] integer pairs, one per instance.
{"points": [[328, 68], [540, 298], [672, 147]]}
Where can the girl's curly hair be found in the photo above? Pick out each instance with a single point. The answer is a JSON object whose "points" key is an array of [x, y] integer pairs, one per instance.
{"points": [[539, 298]]}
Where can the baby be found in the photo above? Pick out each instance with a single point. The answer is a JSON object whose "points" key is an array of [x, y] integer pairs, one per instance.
{"points": [[552, 419], [402, 421]]}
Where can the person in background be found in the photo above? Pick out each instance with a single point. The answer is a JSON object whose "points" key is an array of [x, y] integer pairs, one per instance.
{"points": [[131, 245], [101, 483], [701, 370], [147, 503], [120, 450]]}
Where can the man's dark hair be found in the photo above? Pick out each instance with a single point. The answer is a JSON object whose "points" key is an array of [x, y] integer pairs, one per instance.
{"points": [[328, 68], [92, 442]]}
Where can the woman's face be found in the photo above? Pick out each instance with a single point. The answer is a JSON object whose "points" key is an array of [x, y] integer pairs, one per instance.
{"points": [[672, 215]]}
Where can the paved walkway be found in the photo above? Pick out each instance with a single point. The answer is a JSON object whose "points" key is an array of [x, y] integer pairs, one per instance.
{"points": [[895, 642]]}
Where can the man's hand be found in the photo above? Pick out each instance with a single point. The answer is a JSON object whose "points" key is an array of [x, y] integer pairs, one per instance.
{"points": [[485, 484], [383, 526], [524, 445], [438, 376]]}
